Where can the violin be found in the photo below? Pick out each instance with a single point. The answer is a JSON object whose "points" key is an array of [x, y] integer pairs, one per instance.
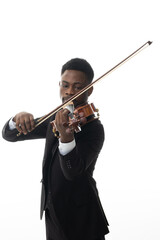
{"points": [[78, 117], [86, 109]]}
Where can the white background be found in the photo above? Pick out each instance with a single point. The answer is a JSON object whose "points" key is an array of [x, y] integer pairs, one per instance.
{"points": [[37, 38]]}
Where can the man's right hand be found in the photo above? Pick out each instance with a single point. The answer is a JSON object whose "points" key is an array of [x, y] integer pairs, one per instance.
{"points": [[24, 122]]}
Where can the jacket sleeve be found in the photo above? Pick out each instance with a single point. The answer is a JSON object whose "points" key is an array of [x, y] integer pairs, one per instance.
{"points": [[11, 135], [88, 145]]}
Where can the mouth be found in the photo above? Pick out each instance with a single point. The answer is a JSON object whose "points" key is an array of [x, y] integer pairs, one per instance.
{"points": [[65, 99]]}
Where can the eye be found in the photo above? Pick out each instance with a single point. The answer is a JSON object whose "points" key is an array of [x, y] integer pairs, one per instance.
{"points": [[64, 85], [77, 88]]}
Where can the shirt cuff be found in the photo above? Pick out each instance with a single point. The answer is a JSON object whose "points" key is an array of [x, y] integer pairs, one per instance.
{"points": [[12, 124], [65, 148]]}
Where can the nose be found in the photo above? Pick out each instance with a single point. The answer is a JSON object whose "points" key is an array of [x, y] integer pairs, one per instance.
{"points": [[70, 91]]}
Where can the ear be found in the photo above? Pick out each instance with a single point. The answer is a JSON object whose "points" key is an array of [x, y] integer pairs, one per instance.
{"points": [[90, 91]]}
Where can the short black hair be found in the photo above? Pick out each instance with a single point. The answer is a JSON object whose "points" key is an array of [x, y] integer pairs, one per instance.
{"points": [[79, 64]]}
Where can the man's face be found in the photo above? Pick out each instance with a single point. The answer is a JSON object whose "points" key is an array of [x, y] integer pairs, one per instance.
{"points": [[72, 81]]}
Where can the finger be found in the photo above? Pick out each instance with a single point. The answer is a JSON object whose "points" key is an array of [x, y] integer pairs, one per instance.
{"points": [[56, 122], [61, 121], [81, 114], [65, 112], [27, 124], [65, 124], [69, 130], [23, 126], [83, 120], [62, 118], [78, 114], [18, 125], [32, 123]]}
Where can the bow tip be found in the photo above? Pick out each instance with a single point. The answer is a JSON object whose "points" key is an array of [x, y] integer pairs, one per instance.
{"points": [[149, 42]]}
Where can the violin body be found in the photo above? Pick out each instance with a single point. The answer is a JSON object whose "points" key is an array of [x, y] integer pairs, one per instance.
{"points": [[80, 116], [87, 110]]}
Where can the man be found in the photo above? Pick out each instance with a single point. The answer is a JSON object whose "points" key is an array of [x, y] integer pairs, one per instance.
{"points": [[69, 195]]}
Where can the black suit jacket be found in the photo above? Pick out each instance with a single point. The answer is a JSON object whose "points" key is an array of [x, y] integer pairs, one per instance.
{"points": [[68, 179]]}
